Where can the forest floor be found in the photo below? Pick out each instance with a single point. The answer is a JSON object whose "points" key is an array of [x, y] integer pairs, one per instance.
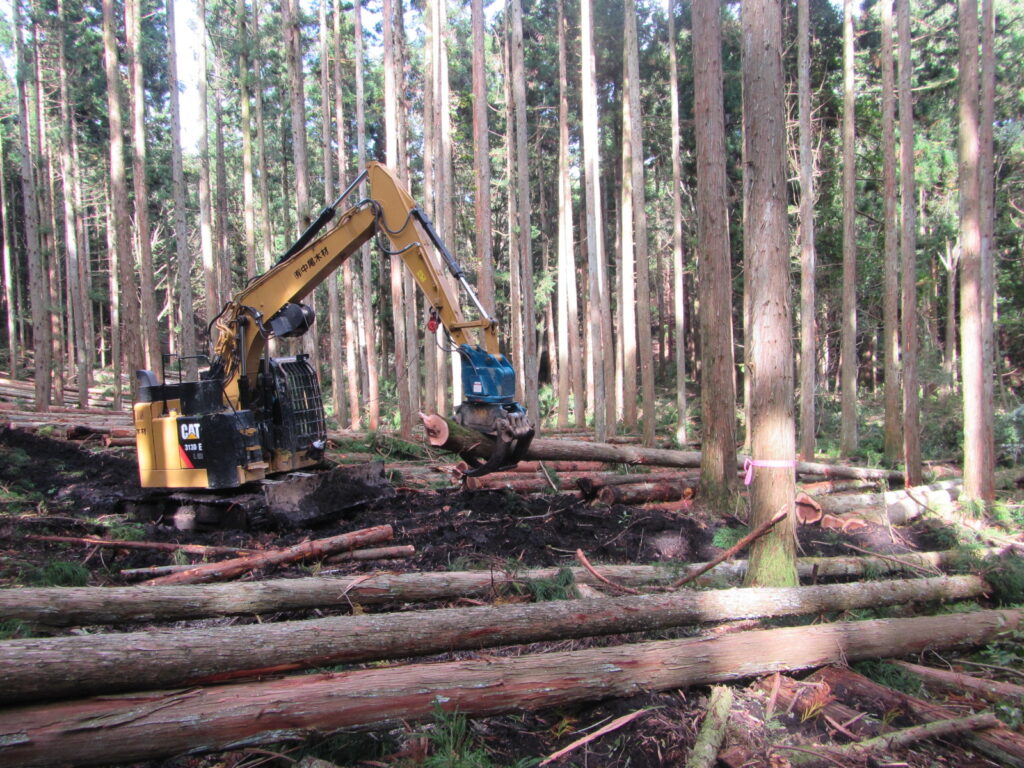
{"points": [[52, 486]]}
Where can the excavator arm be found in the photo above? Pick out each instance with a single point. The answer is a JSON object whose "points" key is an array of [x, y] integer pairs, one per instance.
{"points": [[270, 306]]}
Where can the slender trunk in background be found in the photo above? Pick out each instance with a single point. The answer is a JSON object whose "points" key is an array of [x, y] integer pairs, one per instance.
{"points": [[10, 298], [808, 260], [951, 261], [368, 343], [718, 389], [79, 304], [599, 322], [348, 285], [893, 438], [182, 251], [678, 254], [248, 193], [482, 159], [986, 169], [150, 323], [908, 252], [434, 359], [445, 190], [114, 295], [638, 202], [626, 364], [773, 434], [334, 341], [391, 128], [131, 343], [848, 342], [979, 480], [515, 288], [221, 223], [205, 204], [261, 149], [570, 357]]}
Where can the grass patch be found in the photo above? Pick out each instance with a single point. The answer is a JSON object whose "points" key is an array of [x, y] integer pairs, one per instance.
{"points": [[561, 587], [453, 745], [12, 629], [726, 537], [890, 675], [58, 573]]}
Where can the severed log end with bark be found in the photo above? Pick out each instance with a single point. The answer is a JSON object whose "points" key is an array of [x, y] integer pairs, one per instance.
{"points": [[808, 511]]}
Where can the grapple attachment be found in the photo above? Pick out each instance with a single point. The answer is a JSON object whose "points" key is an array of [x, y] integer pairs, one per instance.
{"points": [[507, 424]]}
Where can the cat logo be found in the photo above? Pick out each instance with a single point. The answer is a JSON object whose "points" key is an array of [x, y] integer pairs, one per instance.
{"points": [[190, 430]]}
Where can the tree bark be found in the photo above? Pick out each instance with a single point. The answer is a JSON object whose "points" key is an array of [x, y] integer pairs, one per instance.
{"points": [[147, 726], [808, 259], [210, 284], [979, 452], [678, 252], [718, 388], [848, 343], [642, 493], [72, 606], [773, 434], [992, 690], [482, 159]]}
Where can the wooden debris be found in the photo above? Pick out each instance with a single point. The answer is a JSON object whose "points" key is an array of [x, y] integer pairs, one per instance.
{"points": [[103, 663], [614, 725], [1000, 743], [161, 546], [992, 690], [643, 493], [372, 553], [815, 699], [808, 511], [712, 731], [148, 726], [309, 550]]}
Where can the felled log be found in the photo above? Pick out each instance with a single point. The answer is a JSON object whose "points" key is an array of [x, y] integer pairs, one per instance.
{"points": [[77, 606], [152, 725], [109, 441], [992, 690], [448, 436], [642, 493], [591, 484], [999, 743], [808, 511], [521, 483], [712, 731], [372, 553], [815, 700], [38, 668], [525, 467], [307, 550], [900, 506], [825, 487]]}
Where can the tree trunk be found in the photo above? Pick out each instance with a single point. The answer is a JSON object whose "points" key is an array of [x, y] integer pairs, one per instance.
{"points": [[718, 388], [678, 253], [150, 324], [773, 434], [131, 342], [182, 251], [482, 159], [210, 283], [147, 726], [10, 297], [75, 606], [978, 449], [248, 190], [908, 252], [848, 342], [808, 260], [38, 286], [261, 149], [893, 438]]}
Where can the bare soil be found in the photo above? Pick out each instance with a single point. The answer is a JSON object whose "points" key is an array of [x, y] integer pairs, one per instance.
{"points": [[57, 487]]}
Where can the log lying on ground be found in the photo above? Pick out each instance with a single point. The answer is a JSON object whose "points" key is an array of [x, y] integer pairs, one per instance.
{"points": [[522, 483], [78, 606], [1000, 743], [900, 506], [591, 484], [447, 435], [712, 731], [35, 669], [642, 493], [307, 550], [993, 690], [148, 726], [826, 487], [160, 546]]}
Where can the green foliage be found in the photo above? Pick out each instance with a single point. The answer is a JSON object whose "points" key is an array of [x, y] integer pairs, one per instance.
{"points": [[12, 629], [889, 675], [1009, 435], [1005, 578], [561, 587], [726, 537], [123, 529], [453, 744], [58, 573], [395, 449]]}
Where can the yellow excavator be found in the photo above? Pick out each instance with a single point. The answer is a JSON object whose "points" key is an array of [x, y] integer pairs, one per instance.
{"points": [[250, 415]]}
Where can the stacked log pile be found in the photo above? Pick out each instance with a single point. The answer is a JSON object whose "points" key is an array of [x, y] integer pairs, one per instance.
{"points": [[229, 700]]}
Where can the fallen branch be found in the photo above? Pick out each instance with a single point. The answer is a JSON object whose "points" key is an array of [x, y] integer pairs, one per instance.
{"points": [[754, 535], [77, 606], [161, 546], [614, 725], [307, 550], [107, 663], [712, 731], [582, 558], [102, 731], [814, 699]]}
